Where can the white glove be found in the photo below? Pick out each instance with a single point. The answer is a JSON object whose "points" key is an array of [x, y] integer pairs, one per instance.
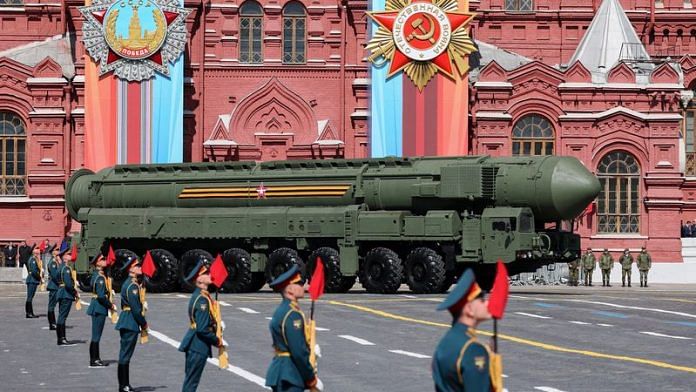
{"points": [[319, 386], [222, 324], [145, 305], [224, 343], [317, 350]]}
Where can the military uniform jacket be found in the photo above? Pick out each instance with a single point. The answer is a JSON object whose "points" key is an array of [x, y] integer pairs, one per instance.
{"points": [[291, 363], [588, 261], [66, 285], [53, 269], [644, 261], [201, 335], [101, 296], [460, 362], [574, 264], [33, 270], [131, 317], [605, 262], [626, 261]]}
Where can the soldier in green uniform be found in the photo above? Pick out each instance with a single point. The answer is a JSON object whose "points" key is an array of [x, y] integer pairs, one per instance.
{"points": [[588, 265], [52, 286], [606, 262], [131, 322], [33, 280], [461, 362], [644, 263], [573, 272], [66, 295], [626, 261], [290, 370], [201, 335], [99, 308]]}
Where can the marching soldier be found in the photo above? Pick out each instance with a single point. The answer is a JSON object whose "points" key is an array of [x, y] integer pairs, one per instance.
{"points": [[626, 262], [99, 308], [33, 280], [290, 370], [588, 265], [66, 295], [201, 335], [461, 362], [131, 321], [644, 262], [573, 267], [606, 262], [52, 269]]}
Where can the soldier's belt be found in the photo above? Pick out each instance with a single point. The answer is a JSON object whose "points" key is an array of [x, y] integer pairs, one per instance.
{"points": [[125, 309], [279, 353], [62, 285]]}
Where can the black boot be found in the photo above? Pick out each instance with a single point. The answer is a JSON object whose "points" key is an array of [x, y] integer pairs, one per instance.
{"points": [[62, 341], [51, 321], [94, 361], [29, 310], [629, 282], [123, 376]]}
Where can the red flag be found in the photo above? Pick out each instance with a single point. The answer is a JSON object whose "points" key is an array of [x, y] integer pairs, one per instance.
{"points": [[73, 253], [110, 257], [316, 285], [499, 294], [218, 271], [42, 246], [149, 265]]}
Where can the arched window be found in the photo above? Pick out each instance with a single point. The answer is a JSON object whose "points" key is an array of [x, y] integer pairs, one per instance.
{"points": [[294, 38], [618, 204], [13, 141], [532, 135], [251, 33]]}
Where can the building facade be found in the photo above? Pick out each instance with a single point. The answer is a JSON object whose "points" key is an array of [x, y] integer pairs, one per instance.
{"points": [[274, 79]]}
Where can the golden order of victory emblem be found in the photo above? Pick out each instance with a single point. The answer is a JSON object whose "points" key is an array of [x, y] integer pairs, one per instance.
{"points": [[134, 38], [422, 38]]}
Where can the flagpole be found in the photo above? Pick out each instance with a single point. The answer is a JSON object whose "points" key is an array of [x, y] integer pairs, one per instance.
{"points": [[495, 335]]}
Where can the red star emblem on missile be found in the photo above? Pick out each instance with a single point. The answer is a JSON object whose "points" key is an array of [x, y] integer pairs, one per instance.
{"points": [[261, 192], [422, 32]]}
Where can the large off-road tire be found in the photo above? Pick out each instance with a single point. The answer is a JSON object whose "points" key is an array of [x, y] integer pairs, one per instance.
{"points": [[238, 264], [189, 260], [381, 271], [118, 276], [258, 280], [166, 277], [84, 282], [425, 271], [449, 279], [334, 281], [281, 260]]}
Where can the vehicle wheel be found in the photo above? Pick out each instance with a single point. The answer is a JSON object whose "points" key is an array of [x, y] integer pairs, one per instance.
{"points": [[347, 284], [188, 262], [166, 277], [281, 260], [334, 281], [84, 282], [425, 271], [122, 256], [382, 271], [258, 280], [238, 264], [447, 283]]}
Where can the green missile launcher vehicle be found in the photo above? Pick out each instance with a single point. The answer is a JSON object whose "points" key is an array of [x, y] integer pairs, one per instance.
{"points": [[388, 221]]}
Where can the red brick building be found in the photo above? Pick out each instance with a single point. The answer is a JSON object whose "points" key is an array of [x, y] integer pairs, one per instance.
{"points": [[288, 79]]}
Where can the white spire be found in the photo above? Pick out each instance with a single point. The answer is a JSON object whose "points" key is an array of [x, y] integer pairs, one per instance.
{"points": [[609, 38]]}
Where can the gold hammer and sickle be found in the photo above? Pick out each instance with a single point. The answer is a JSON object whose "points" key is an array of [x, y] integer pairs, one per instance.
{"points": [[418, 26]]}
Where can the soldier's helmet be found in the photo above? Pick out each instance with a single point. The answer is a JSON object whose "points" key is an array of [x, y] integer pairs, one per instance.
{"points": [[606, 250], [626, 250], [589, 249]]}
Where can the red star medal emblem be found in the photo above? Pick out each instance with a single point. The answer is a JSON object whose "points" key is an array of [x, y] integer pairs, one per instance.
{"points": [[261, 192]]}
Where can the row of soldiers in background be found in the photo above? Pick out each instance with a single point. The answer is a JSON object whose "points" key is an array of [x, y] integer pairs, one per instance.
{"points": [[688, 229], [588, 263], [13, 255]]}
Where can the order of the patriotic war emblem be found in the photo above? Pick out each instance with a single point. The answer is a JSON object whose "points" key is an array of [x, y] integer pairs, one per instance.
{"points": [[134, 38], [421, 38]]}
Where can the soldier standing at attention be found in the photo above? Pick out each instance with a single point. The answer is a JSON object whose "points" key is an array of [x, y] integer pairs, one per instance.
{"points": [[66, 295], [573, 272], [33, 280], [461, 362], [588, 265], [606, 262], [644, 263], [52, 269], [99, 308], [626, 260], [201, 335], [290, 370], [131, 321]]}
